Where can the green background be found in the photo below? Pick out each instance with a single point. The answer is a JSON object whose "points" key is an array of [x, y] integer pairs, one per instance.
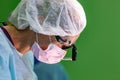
{"points": [[98, 46]]}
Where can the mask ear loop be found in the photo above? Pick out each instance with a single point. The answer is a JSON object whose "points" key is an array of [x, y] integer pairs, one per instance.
{"points": [[50, 39], [37, 38]]}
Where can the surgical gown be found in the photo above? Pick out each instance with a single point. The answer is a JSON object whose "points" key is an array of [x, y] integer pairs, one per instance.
{"points": [[50, 71], [14, 66]]}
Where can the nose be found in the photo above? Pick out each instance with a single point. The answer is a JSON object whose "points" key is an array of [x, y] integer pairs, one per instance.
{"points": [[44, 47]]}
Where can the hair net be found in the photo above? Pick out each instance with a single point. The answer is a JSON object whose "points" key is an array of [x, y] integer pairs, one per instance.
{"points": [[50, 17]]}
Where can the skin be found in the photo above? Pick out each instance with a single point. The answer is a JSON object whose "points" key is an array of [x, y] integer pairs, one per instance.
{"points": [[24, 39]]}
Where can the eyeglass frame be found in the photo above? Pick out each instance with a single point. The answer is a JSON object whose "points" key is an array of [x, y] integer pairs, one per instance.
{"points": [[74, 49]]}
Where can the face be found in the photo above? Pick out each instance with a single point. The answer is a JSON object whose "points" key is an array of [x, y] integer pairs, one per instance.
{"points": [[60, 41], [63, 42]]}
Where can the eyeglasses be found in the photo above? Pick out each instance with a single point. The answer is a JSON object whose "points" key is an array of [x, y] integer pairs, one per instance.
{"points": [[74, 49]]}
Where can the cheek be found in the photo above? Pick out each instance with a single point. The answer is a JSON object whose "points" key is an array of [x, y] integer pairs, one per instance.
{"points": [[43, 41], [58, 44]]}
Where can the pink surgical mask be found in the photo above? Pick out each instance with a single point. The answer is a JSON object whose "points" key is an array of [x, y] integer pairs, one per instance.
{"points": [[53, 54]]}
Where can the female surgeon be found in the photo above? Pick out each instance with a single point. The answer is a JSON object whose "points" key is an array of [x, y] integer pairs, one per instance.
{"points": [[41, 28]]}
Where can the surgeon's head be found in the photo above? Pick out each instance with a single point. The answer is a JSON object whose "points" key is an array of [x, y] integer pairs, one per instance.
{"points": [[54, 21]]}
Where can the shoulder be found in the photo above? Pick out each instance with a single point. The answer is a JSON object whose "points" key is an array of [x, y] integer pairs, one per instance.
{"points": [[3, 41], [5, 48]]}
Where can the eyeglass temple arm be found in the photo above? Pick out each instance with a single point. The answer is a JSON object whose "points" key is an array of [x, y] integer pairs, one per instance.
{"points": [[74, 53]]}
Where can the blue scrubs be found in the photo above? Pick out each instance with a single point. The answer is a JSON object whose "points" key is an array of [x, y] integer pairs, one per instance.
{"points": [[50, 71], [14, 66]]}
